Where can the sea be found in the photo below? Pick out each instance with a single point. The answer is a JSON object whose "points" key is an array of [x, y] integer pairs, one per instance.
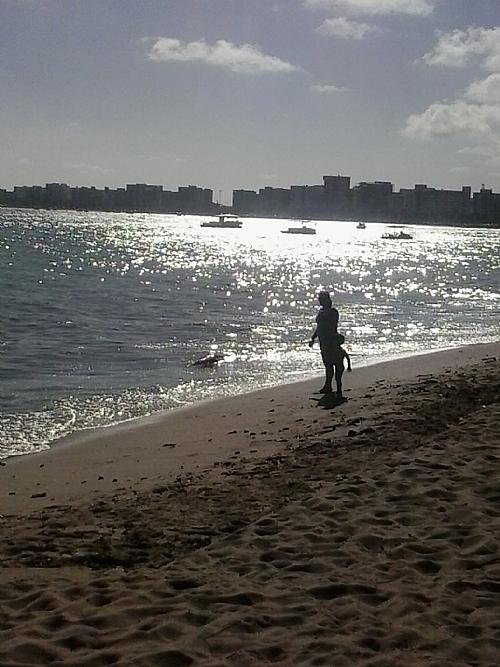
{"points": [[102, 315]]}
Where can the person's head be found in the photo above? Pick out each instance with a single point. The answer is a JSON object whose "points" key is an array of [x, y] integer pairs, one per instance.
{"points": [[325, 299]]}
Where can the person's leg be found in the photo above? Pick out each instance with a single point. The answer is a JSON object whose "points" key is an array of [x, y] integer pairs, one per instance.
{"points": [[328, 363], [339, 371], [328, 378]]}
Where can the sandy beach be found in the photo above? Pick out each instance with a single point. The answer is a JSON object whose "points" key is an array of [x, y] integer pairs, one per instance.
{"points": [[277, 527]]}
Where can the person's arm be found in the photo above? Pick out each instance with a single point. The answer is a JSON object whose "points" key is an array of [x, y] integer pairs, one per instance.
{"points": [[313, 337], [348, 362], [335, 317]]}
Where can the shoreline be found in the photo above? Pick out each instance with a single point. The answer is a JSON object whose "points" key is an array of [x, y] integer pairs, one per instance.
{"points": [[160, 448], [357, 534], [89, 433]]}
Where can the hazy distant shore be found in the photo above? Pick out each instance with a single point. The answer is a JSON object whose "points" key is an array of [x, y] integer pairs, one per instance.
{"points": [[467, 224]]}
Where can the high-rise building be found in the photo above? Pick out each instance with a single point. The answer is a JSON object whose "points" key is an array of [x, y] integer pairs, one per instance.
{"points": [[245, 201], [486, 206], [337, 195], [428, 204], [57, 195], [274, 201], [195, 200], [143, 197], [373, 200]]}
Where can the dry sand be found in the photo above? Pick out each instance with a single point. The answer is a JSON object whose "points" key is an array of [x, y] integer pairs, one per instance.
{"points": [[268, 529]]}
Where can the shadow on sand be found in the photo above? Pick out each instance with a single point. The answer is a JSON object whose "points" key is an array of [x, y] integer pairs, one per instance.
{"points": [[329, 401]]}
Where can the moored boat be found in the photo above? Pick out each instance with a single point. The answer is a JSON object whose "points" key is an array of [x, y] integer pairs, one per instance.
{"points": [[304, 229], [223, 222], [399, 236]]}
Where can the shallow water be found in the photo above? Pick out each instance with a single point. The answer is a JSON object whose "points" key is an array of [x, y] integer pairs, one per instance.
{"points": [[102, 314]]}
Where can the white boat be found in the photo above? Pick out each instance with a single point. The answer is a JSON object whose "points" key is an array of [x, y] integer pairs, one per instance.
{"points": [[304, 229], [361, 225], [399, 236], [224, 222]]}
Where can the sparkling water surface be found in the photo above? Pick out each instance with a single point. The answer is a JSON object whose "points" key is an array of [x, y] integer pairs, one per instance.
{"points": [[102, 314]]}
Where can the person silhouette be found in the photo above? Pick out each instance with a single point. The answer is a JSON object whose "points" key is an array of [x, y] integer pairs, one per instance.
{"points": [[330, 340]]}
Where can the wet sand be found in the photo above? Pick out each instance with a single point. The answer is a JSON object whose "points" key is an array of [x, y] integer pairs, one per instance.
{"points": [[268, 529]]}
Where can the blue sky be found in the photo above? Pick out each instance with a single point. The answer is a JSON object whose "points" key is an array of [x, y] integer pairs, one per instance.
{"points": [[245, 93]]}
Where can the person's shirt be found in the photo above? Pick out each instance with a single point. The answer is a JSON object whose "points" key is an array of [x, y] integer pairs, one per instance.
{"points": [[327, 321]]}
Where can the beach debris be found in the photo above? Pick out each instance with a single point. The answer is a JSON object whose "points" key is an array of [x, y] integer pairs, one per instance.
{"points": [[160, 489], [209, 360]]}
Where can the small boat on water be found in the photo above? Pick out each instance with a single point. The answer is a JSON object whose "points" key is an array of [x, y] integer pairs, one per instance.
{"points": [[397, 236], [223, 222], [361, 225], [304, 229]]}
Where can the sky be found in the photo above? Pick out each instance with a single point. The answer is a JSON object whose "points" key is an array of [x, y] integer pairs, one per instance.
{"points": [[230, 94]]}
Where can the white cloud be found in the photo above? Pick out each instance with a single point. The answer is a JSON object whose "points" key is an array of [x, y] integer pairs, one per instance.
{"points": [[346, 29], [455, 49], [411, 7], [481, 151], [326, 89], [85, 166], [476, 110], [490, 151], [485, 91], [458, 117], [459, 170], [244, 58], [24, 162]]}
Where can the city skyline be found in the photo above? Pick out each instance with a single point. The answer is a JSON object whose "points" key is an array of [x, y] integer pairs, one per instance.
{"points": [[239, 95], [334, 199]]}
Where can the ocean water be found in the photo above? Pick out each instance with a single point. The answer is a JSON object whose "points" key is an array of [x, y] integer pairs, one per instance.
{"points": [[102, 314]]}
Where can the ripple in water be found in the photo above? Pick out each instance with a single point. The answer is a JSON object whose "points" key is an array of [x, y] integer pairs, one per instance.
{"points": [[104, 313]]}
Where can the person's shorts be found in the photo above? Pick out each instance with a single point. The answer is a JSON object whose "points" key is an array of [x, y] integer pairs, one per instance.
{"points": [[331, 355]]}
